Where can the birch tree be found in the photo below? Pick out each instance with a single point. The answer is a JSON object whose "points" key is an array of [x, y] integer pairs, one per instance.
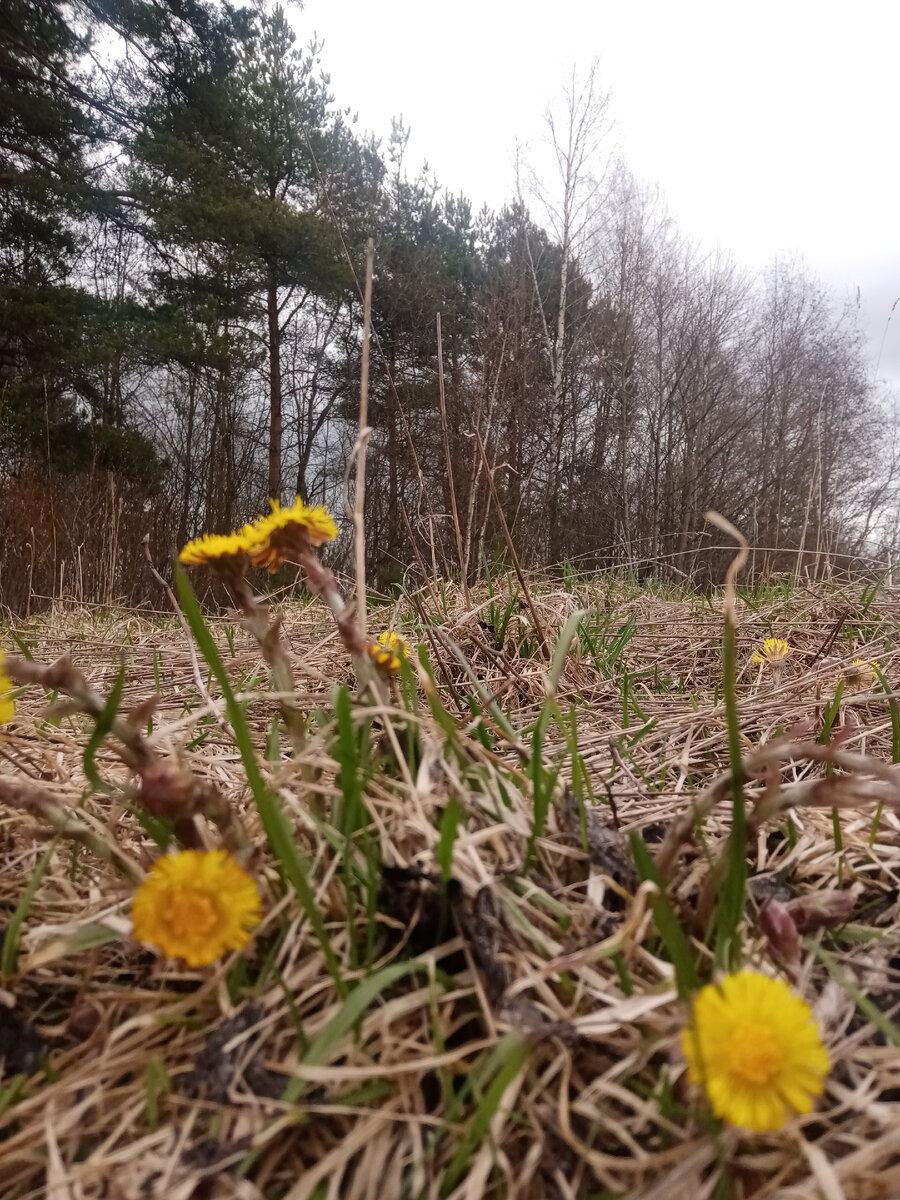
{"points": [[577, 147]]}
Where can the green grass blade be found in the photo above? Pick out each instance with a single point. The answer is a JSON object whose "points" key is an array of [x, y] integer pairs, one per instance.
{"points": [[24, 648], [352, 1009], [346, 752], [102, 725], [156, 1084], [829, 716], [10, 953], [561, 649], [895, 744], [543, 781], [278, 829], [453, 814], [870, 1011], [13, 1092], [674, 938], [507, 1060], [895, 714], [733, 888]]}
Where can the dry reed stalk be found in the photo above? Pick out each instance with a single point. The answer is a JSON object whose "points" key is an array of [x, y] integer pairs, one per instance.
{"points": [[360, 448]]}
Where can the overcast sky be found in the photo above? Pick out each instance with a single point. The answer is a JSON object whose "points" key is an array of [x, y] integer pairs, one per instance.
{"points": [[769, 127]]}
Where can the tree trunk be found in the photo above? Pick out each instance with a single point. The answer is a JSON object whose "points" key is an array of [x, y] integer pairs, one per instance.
{"points": [[188, 461], [275, 418], [302, 468]]}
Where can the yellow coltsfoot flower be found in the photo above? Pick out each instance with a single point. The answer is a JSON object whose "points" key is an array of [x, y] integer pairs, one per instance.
{"points": [[288, 532], [214, 548], [7, 704], [860, 675], [196, 905], [773, 653], [387, 650], [753, 1045]]}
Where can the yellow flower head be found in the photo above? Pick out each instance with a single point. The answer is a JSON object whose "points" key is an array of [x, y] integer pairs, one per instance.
{"points": [[387, 650], [214, 548], [195, 905], [755, 1048], [860, 675], [774, 651], [7, 705], [287, 532]]}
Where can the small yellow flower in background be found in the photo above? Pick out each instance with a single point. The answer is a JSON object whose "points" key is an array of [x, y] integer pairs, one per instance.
{"points": [[860, 675], [214, 547], [7, 705], [196, 905], [755, 1048], [287, 532], [387, 650], [774, 651]]}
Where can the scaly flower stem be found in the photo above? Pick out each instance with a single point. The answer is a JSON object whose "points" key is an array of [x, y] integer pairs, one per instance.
{"points": [[268, 635], [322, 583]]}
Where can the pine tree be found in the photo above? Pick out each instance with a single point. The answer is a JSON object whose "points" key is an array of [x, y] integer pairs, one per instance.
{"points": [[233, 171], [62, 343], [44, 130]]}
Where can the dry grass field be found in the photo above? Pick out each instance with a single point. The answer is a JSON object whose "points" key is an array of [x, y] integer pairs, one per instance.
{"points": [[488, 885]]}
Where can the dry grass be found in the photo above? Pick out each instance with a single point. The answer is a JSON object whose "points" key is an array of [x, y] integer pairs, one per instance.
{"points": [[515, 1035]]}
